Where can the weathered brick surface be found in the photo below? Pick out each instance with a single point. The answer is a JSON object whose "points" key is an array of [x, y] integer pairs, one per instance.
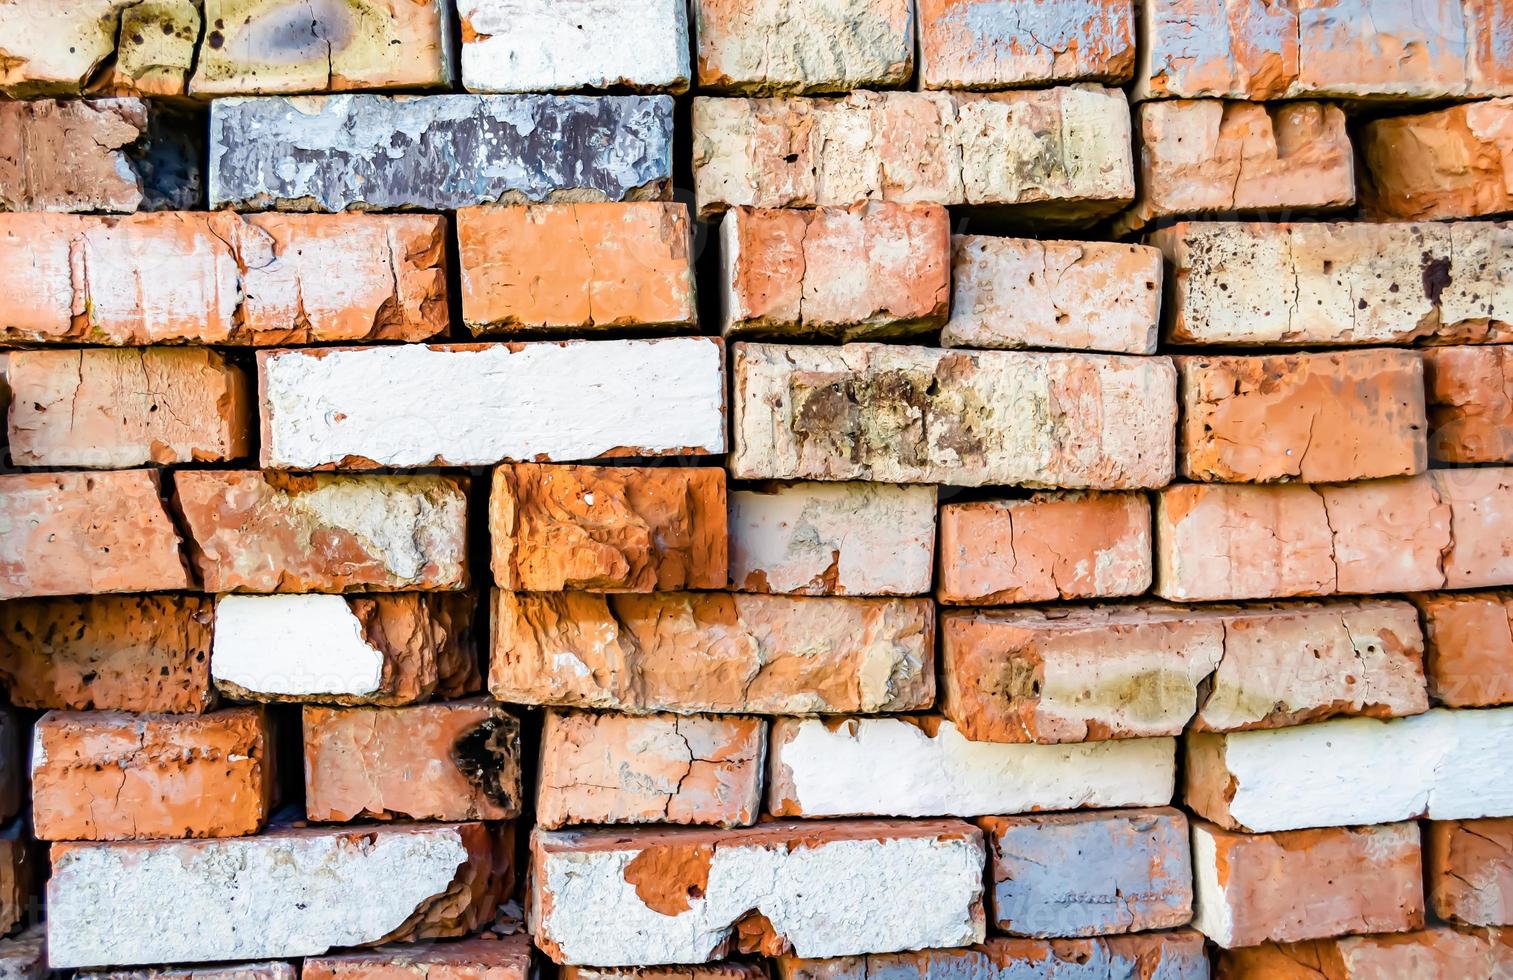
{"points": [[1332, 283], [122, 408], [1305, 884], [978, 44], [1469, 648], [1433, 952], [592, 267], [24, 956], [1447, 765], [221, 278], [571, 45], [1318, 418], [451, 760], [110, 775], [1443, 529], [615, 898], [144, 653], [1469, 864], [19, 878], [70, 155], [1061, 153], [1206, 156], [874, 270], [1045, 547], [923, 767], [732, 969], [608, 529], [1089, 874], [378, 406], [792, 46], [265, 531], [1022, 292], [295, 893], [258, 970], [506, 958], [692, 652], [1469, 391], [609, 768], [918, 415], [70, 533], [1175, 955], [832, 539], [1451, 163], [331, 649], [374, 152]]}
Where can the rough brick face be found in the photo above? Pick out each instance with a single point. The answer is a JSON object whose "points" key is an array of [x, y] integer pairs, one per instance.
{"points": [[1058, 546], [123, 408], [452, 760], [108, 775], [506, 958], [1469, 656], [1470, 399], [1434, 952], [917, 415], [791, 46], [606, 768], [871, 271], [1452, 163], [976, 44], [222, 278], [70, 155], [1022, 292], [1159, 955], [125, 653], [1470, 868], [692, 652], [608, 529], [592, 267], [1089, 874], [1318, 418]]}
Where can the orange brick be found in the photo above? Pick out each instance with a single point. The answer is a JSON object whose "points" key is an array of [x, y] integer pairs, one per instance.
{"points": [[982, 44], [1470, 869], [125, 653], [221, 278], [1436, 952], [608, 528], [1470, 397], [109, 775], [585, 266], [1452, 163], [121, 408], [1469, 647], [1306, 884], [871, 271], [1054, 545], [1204, 156], [449, 760], [483, 958], [84, 533], [1319, 418]]}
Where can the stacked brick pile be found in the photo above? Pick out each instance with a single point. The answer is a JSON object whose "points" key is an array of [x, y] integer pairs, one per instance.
{"points": [[1041, 507]]}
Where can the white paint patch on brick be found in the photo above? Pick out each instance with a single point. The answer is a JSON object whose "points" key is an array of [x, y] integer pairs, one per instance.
{"points": [[292, 646], [277, 895], [833, 539], [1210, 912], [891, 767], [571, 45], [419, 406]]}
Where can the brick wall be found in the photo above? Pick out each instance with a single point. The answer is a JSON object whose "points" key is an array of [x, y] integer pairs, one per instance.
{"points": [[765, 490]]}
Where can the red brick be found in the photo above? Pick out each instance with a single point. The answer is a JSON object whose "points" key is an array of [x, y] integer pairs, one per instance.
{"points": [[221, 278], [1436, 952], [1469, 656], [771, 46], [450, 760], [1470, 868], [1451, 163], [1306, 884], [267, 531], [610, 768], [871, 271], [481, 958], [1045, 547], [727, 970], [1153, 955], [980, 44], [608, 528], [1470, 397], [580, 266], [110, 775], [1319, 418], [68, 155], [73, 533], [126, 653], [121, 408], [1237, 157]]}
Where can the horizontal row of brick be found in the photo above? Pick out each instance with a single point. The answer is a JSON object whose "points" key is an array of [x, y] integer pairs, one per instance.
{"points": [[1062, 155], [1191, 48]]}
